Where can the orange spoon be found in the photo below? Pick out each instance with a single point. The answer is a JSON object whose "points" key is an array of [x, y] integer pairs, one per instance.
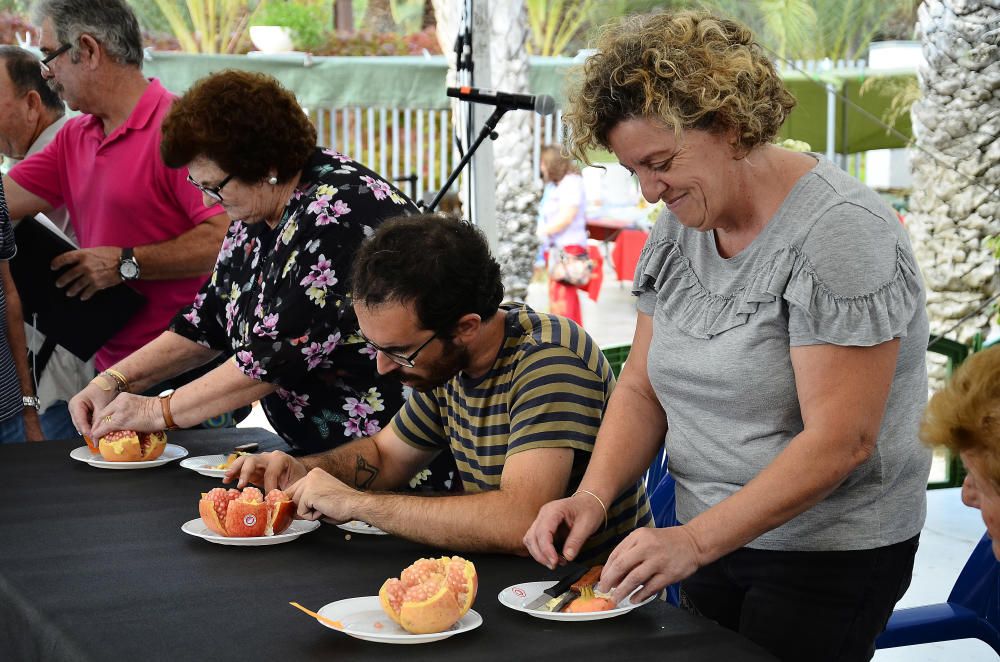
{"points": [[322, 619]]}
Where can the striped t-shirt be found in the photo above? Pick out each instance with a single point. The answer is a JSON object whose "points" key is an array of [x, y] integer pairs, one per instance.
{"points": [[548, 388], [10, 387]]}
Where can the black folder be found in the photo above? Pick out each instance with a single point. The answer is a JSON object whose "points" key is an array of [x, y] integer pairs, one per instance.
{"points": [[82, 327]]}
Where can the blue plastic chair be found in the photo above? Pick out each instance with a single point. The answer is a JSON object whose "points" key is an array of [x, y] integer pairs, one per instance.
{"points": [[662, 505], [972, 610]]}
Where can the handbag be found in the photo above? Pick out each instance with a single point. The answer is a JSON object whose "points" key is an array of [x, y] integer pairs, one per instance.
{"points": [[570, 268]]}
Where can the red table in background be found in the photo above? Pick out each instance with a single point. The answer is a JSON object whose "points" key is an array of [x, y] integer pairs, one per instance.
{"points": [[628, 243], [625, 255]]}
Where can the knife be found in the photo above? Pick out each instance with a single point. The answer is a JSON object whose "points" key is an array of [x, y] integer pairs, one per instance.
{"points": [[558, 591]]}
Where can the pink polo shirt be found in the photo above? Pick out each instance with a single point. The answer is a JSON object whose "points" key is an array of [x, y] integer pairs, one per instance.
{"points": [[119, 193]]}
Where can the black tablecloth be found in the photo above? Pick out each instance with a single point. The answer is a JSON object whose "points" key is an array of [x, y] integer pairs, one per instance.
{"points": [[94, 566]]}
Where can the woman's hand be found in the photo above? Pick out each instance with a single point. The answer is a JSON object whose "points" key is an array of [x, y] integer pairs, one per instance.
{"points": [[580, 514], [271, 470], [128, 412], [653, 558], [84, 404]]}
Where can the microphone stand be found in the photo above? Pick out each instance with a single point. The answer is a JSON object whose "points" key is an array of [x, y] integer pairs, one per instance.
{"points": [[489, 130]]}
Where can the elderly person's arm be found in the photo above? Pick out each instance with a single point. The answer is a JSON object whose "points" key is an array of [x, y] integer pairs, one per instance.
{"points": [[166, 356], [19, 352], [223, 389], [89, 270], [842, 393]]}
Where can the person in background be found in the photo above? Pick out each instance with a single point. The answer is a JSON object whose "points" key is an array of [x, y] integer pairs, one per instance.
{"points": [[964, 417], [136, 220], [18, 404], [31, 114], [563, 224], [779, 353], [514, 395], [279, 301]]}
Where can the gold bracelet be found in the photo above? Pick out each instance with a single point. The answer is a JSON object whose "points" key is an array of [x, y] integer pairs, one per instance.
{"points": [[598, 501], [119, 379]]}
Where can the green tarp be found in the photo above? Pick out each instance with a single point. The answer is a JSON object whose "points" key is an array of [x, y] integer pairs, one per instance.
{"points": [[419, 82]]}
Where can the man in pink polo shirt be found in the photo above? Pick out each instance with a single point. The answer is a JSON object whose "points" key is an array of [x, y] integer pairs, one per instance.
{"points": [[135, 219]]}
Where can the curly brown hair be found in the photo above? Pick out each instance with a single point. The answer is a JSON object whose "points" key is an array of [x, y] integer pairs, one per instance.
{"points": [[245, 122], [687, 70], [964, 416]]}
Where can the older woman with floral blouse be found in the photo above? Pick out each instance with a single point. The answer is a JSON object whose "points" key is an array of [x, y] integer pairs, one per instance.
{"points": [[279, 298]]}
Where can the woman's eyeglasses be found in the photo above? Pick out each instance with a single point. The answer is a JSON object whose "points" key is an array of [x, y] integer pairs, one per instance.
{"points": [[214, 192], [399, 359], [44, 62]]}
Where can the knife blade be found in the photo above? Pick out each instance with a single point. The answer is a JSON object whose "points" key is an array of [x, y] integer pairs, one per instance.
{"points": [[559, 589]]}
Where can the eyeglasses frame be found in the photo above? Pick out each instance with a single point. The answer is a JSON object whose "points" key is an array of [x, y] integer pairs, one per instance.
{"points": [[398, 359], [214, 192], [44, 62]]}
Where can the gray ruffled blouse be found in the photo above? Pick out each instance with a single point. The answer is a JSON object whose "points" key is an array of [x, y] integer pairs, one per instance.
{"points": [[833, 266]]}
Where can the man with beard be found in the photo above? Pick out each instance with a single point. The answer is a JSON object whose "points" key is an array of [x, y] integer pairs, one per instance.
{"points": [[516, 396], [135, 219]]}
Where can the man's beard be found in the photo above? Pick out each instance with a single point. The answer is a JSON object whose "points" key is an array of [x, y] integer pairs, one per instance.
{"points": [[453, 360]]}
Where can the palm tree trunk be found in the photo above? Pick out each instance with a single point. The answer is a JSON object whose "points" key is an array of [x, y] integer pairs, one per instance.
{"points": [[517, 187], [955, 203]]}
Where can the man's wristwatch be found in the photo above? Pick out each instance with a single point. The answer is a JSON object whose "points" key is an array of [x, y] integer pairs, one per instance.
{"points": [[31, 401], [128, 267]]}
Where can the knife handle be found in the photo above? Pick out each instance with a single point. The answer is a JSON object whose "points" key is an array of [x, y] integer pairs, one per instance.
{"points": [[563, 584]]}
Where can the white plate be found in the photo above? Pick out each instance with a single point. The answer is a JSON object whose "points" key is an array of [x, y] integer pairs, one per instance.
{"points": [[518, 595], [197, 528], [170, 453], [363, 618], [204, 464], [357, 526]]}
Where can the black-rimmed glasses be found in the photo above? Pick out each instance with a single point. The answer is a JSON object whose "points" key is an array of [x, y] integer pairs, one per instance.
{"points": [[214, 192], [44, 62], [398, 359]]}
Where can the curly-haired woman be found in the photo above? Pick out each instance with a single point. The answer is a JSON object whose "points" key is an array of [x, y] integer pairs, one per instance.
{"points": [[279, 300], [779, 353], [964, 417]]}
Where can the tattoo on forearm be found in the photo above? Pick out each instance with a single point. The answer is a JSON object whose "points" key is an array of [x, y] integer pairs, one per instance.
{"points": [[364, 473]]}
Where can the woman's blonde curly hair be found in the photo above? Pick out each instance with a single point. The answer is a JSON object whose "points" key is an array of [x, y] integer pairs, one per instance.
{"points": [[688, 70], [964, 416]]}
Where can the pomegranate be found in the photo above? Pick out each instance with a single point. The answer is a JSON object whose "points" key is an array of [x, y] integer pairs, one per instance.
{"points": [[246, 515], [431, 595], [589, 601], [132, 446]]}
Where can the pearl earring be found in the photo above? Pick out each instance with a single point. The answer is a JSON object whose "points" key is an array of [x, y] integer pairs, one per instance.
{"points": [[272, 181]]}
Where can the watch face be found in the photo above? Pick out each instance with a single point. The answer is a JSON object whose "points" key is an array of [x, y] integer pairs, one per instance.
{"points": [[128, 270]]}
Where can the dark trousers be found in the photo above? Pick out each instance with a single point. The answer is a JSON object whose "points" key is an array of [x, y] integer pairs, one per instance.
{"points": [[808, 606]]}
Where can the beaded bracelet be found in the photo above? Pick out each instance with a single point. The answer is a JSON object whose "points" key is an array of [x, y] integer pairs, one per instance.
{"points": [[603, 507], [119, 379]]}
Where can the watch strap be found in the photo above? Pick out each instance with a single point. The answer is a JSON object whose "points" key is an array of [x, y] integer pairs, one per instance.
{"points": [[168, 419]]}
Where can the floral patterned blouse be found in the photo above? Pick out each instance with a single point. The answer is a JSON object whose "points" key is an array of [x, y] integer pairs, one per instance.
{"points": [[279, 301]]}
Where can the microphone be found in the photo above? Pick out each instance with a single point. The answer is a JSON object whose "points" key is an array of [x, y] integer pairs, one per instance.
{"points": [[542, 104]]}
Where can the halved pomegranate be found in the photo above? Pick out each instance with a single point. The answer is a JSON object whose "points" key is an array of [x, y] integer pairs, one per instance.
{"points": [[431, 595], [246, 515], [132, 446]]}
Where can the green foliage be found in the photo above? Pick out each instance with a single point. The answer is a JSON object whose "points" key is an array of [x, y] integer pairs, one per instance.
{"points": [[207, 26], [554, 23], [815, 29], [904, 91], [308, 21]]}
